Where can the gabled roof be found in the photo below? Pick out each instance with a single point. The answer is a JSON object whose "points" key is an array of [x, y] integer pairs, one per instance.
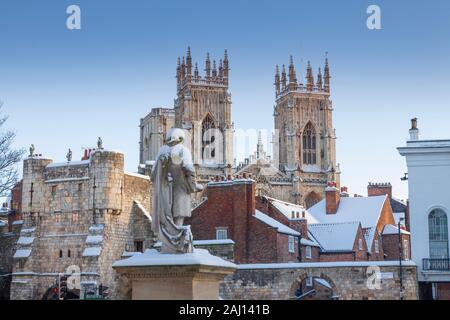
{"points": [[262, 167], [391, 229], [369, 235], [281, 228], [286, 208], [398, 205], [334, 236], [367, 210]]}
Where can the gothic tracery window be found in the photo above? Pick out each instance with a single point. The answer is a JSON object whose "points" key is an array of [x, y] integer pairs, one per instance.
{"points": [[208, 137], [309, 145]]}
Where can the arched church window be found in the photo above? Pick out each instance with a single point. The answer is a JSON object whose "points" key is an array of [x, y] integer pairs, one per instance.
{"points": [[438, 234], [208, 137], [309, 145]]}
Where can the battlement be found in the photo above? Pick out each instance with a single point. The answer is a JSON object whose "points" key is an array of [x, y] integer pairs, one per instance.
{"points": [[215, 76], [285, 85]]}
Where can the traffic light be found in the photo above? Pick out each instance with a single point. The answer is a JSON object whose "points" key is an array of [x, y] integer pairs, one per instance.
{"points": [[55, 293], [103, 291]]}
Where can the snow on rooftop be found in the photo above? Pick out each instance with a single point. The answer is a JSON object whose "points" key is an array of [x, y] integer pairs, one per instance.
{"points": [[137, 175], [2, 223], [28, 230], [212, 242], [94, 239], [152, 257], [307, 242], [62, 180], [17, 222], [25, 240], [391, 229], [127, 254], [22, 253], [364, 209], [286, 208], [229, 182], [334, 236], [92, 252], [144, 211], [281, 228], [70, 163], [96, 227], [369, 235]]}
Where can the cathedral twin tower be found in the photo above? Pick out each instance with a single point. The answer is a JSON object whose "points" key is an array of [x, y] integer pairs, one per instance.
{"points": [[304, 146]]}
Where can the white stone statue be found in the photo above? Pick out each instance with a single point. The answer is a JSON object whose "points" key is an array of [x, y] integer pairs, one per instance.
{"points": [[173, 177]]}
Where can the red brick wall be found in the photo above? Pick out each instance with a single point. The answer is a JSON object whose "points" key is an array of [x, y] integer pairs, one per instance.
{"points": [[263, 244], [443, 291], [342, 256], [380, 255], [379, 190], [332, 201], [390, 245], [232, 205], [360, 255]]}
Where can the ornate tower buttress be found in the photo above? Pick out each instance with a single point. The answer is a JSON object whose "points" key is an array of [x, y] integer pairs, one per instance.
{"points": [[203, 108], [307, 140]]}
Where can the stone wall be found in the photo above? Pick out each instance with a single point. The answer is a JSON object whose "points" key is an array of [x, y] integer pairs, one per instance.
{"points": [[79, 217], [7, 246], [349, 281]]}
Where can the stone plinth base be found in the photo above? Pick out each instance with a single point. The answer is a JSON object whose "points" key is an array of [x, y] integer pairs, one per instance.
{"points": [[160, 276]]}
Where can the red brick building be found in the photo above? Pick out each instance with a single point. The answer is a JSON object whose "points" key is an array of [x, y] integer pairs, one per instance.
{"points": [[267, 230], [230, 212]]}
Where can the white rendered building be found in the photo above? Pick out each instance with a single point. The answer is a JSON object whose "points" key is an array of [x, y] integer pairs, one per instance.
{"points": [[428, 164]]}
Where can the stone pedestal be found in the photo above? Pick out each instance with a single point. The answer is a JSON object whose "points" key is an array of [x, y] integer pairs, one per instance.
{"points": [[160, 276]]}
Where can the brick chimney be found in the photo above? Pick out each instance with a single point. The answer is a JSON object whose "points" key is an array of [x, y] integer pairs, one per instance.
{"points": [[344, 192], [332, 198], [379, 189]]}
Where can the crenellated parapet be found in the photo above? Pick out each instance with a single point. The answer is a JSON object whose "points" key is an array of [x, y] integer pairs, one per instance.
{"points": [[215, 75], [287, 83]]}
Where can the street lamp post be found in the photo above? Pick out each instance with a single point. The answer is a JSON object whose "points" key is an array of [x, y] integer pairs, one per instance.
{"points": [[400, 257]]}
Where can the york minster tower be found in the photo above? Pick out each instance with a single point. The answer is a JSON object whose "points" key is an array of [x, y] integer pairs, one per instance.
{"points": [[202, 108], [303, 115]]}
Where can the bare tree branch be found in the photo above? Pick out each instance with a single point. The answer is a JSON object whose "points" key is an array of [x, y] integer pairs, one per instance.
{"points": [[9, 158]]}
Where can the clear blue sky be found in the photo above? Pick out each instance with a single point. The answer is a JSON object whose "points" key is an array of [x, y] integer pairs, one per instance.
{"points": [[65, 88]]}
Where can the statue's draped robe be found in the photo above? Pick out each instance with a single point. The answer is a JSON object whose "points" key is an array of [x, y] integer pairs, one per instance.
{"points": [[173, 182]]}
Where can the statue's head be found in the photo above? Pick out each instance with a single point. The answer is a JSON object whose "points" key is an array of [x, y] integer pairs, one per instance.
{"points": [[175, 136]]}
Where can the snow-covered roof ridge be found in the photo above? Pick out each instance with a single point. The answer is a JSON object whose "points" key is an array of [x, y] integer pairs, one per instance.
{"points": [[92, 251], [137, 175], [143, 210], [337, 236], [391, 229], [366, 210], [287, 208], [281, 228], [230, 182], [69, 164]]}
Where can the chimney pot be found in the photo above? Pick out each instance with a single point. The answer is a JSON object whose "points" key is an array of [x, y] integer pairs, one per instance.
{"points": [[332, 198]]}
